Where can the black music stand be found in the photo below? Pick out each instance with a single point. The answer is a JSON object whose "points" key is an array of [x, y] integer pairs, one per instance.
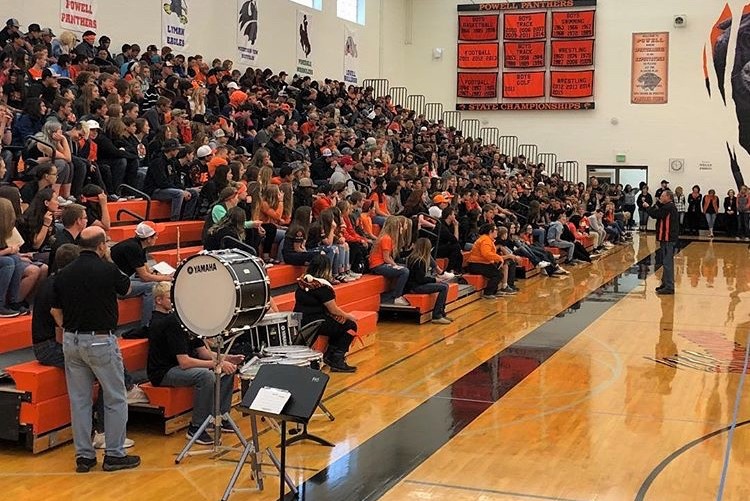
{"points": [[306, 387]]}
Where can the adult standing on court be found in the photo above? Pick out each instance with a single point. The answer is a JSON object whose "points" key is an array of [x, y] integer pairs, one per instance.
{"points": [[84, 304], [667, 234]]}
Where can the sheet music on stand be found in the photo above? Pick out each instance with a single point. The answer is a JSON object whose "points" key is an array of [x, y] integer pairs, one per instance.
{"points": [[270, 400]]}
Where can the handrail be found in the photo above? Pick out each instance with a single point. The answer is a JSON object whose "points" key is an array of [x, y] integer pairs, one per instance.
{"points": [[130, 213], [362, 185], [237, 244], [126, 187]]}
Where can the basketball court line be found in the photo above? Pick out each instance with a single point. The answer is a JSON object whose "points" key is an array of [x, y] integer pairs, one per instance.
{"points": [[488, 491]]}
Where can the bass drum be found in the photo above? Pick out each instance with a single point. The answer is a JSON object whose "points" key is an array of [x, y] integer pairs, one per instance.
{"points": [[217, 292]]}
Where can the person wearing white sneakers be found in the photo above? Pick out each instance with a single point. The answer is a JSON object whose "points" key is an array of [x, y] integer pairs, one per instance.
{"points": [[382, 260]]}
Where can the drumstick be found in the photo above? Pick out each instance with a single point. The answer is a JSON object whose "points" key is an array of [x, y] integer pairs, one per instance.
{"points": [[178, 245]]}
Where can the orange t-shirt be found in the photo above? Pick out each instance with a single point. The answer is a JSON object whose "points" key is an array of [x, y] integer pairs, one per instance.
{"points": [[214, 163], [365, 221], [270, 215], [381, 245], [321, 204], [382, 206]]}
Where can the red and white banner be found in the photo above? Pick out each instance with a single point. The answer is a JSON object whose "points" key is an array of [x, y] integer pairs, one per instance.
{"points": [[78, 15]]}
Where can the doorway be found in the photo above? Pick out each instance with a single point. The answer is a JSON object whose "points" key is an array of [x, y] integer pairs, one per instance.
{"points": [[632, 175]]}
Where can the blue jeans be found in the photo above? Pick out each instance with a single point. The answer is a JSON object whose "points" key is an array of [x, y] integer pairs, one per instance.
{"points": [[568, 247], [442, 289], [89, 357], [203, 396], [711, 220], [11, 271], [177, 197], [145, 289], [401, 274], [538, 234]]}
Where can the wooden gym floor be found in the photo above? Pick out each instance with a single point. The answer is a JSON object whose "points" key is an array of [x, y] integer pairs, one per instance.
{"points": [[590, 387]]}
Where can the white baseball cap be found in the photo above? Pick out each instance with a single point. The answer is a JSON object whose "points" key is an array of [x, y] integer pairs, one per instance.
{"points": [[204, 151], [92, 124]]}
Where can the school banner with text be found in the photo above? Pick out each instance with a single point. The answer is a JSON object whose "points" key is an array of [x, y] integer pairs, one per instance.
{"points": [[477, 85], [572, 84], [247, 32], [572, 52], [478, 56], [305, 52], [351, 57], [524, 85], [78, 15], [525, 54], [650, 68], [525, 26], [477, 28], [174, 25], [575, 24]]}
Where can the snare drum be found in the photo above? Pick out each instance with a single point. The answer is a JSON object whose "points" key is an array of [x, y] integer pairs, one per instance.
{"points": [[295, 355], [275, 329], [218, 292]]}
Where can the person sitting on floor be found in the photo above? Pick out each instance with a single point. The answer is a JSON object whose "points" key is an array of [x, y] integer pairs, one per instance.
{"points": [[419, 263], [315, 298]]}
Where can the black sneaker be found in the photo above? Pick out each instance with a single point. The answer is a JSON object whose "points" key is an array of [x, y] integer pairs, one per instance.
{"points": [[21, 308], [203, 439], [7, 312], [337, 365], [84, 465], [114, 463]]}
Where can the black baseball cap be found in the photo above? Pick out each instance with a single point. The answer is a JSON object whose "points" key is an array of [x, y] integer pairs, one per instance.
{"points": [[171, 144]]}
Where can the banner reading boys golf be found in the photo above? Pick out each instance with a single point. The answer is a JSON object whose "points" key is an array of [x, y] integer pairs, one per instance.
{"points": [[351, 58], [305, 52], [247, 32], [79, 15], [174, 24]]}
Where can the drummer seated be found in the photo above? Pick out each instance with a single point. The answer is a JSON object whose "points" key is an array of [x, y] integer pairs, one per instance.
{"points": [[176, 359], [315, 298]]}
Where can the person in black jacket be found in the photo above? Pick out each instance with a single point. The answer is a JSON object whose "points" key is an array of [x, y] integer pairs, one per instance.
{"points": [[164, 182], [419, 283], [667, 233], [123, 164], [448, 244]]}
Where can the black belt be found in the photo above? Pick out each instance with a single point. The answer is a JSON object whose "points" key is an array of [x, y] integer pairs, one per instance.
{"points": [[92, 333]]}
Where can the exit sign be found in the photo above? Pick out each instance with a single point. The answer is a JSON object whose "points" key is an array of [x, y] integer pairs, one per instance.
{"points": [[620, 158]]}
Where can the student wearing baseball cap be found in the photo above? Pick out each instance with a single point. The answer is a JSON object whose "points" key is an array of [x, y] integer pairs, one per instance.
{"points": [[11, 27], [130, 257]]}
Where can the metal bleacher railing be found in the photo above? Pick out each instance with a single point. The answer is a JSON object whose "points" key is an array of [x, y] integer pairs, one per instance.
{"points": [[570, 170]]}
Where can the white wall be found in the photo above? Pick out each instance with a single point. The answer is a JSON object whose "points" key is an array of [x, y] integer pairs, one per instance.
{"points": [[212, 28], [689, 127]]}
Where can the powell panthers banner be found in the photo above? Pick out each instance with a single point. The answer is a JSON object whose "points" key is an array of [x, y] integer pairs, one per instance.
{"points": [[174, 24], [305, 50], [351, 57], [79, 15], [247, 32], [650, 73]]}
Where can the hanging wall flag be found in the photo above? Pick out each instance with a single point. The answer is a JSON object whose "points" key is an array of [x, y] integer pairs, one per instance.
{"points": [[174, 24], [576, 24], [572, 52], [572, 84], [525, 54], [79, 15], [477, 85], [305, 51], [247, 32], [523, 85], [525, 26], [351, 57], [477, 28], [478, 55], [650, 68]]}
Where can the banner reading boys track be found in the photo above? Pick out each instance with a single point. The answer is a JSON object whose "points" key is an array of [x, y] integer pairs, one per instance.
{"points": [[523, 85], [174, 25], [247, 32], [576, 24], [572, 52], [78, 15], [572, 84], [477, 85], [650, 68], [478, 56], [525, 26], [478, 28], [525, 54]]}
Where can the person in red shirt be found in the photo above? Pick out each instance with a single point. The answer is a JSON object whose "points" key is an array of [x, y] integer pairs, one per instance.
{"points": [[326, 200], [382, 260]]}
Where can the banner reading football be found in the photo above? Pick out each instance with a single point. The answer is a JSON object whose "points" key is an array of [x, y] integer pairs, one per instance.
{"points": [[525, 54], [523, 85], [247, 32], [576, 24], [650, 68], [78, 15], [174, 23], [477, 85], [304, 48], [351, 58], [478, 55], [477, 28], [525, 26], [572, 52], [572, 84]]}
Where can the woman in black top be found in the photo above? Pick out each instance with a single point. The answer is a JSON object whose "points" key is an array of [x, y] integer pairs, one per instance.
{"points": [[448, 244], [316, 300], [419, 261], [37, 224], [232, 225], [694, 212], [730, 210], [643, 197]]}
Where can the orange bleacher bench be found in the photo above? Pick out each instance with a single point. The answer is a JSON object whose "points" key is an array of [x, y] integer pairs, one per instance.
{"points": [[190, 231], [159, 210]]}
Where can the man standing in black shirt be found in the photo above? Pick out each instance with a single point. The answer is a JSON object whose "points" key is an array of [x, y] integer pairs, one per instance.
{"points": [[667, 234], [130, 256], [176, 359], [74, 220], [84, 305]]}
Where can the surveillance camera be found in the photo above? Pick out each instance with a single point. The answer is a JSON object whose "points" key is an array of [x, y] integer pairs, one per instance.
{"points": [[680, 21]]}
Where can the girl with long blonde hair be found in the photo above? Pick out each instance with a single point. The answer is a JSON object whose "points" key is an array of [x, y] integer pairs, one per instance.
{"points": [[383, 260]]}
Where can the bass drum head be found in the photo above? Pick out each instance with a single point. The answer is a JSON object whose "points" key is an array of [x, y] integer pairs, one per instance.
{"points": [[204, 295]]}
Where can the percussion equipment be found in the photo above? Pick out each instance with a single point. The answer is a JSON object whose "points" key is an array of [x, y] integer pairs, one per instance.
{"points": [[220, 293], [275, 329], [300, 356]]}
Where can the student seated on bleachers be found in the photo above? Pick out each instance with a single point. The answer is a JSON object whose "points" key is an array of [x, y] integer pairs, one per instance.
{"points": [[555, 236], [11, 265], [383, 262], [485, 261], [176, 359], [295, 251], [95, 201], [232, 225], [421, 282]]}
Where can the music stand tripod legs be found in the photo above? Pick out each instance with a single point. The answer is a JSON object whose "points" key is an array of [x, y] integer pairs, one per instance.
{"points": [[217, 417]]}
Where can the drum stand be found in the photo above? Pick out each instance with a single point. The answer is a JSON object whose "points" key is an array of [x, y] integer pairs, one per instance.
{"points": [[217, 417]]}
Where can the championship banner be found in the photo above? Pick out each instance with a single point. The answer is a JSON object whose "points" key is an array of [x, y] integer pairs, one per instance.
{"points": [[304, 48], [477, 28], [576, 24], [525, 54], [477, 85], [572, 84], [525, 26], [478, 55], [572, 53], [174, 23], [351, 58], [650, 68], [247, 32], [523, 85], [78, 15]]}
